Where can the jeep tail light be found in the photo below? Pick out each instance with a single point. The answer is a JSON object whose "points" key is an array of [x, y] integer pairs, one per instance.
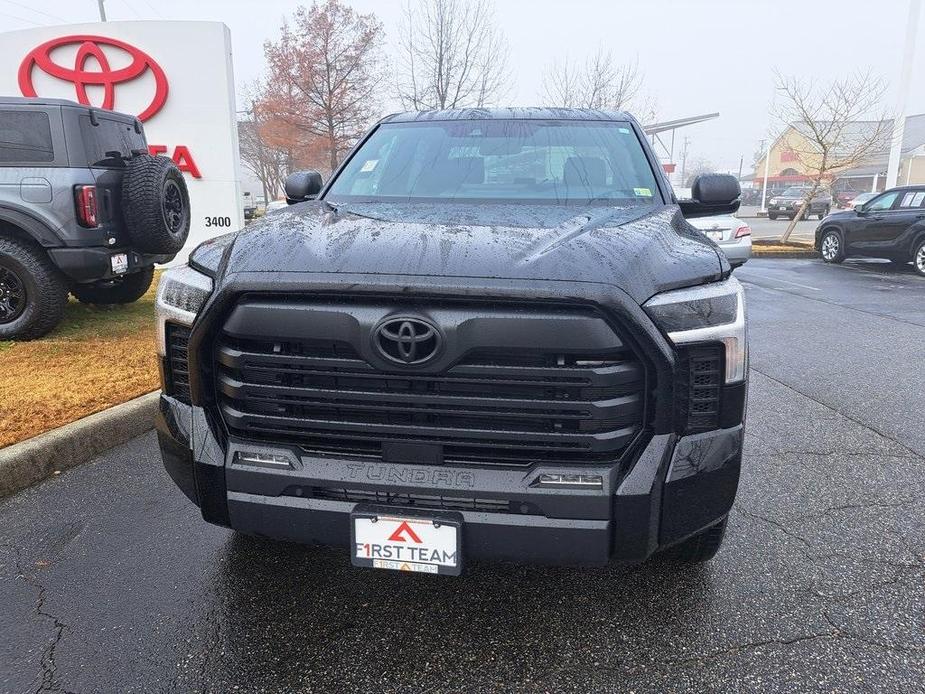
{"points": [[743, 230], [85, 200]]}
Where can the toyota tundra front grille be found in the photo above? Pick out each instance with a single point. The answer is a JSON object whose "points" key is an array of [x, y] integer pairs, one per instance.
{"points": [[509, 401]]}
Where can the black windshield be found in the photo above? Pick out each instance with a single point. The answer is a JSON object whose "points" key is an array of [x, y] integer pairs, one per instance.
{"points": [[500, 160]]}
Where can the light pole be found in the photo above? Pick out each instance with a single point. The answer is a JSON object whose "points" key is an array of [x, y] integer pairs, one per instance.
{"points": [[905, 79], [102, 10], [767, 172]]}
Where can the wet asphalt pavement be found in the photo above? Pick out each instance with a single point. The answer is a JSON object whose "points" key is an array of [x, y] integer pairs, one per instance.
{"points": [[110, 582]]}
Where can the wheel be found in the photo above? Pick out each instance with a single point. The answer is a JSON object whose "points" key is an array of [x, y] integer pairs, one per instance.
{"points": [[832, 248], [805, 214], [155, 205], [772, 216], [918, 258], [791, 217], [123, 290], [701, 547], [33, 292], [824, 213]]}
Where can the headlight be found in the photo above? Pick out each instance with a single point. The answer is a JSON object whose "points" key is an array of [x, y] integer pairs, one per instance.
{"points": [[180, 294], [708, 313], [772, 201]]}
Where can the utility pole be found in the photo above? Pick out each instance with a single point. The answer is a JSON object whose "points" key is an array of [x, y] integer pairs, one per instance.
{"points": [[687, 141], [905, 80], [102, 10], [767, 172]]}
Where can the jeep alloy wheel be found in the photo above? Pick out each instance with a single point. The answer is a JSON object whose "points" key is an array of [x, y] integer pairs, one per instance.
{"points": [[12, 295], [173, 206]]}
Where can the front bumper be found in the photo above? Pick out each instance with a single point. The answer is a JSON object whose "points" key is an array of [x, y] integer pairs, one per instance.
{"points": [[676, 487]]}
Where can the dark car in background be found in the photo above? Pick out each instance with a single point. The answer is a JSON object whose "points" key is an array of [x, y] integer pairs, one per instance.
{"points": [[891, 226], [788, 203], [493, 334]]}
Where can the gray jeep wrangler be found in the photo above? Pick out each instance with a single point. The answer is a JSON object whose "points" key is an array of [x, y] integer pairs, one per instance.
{"points": [[84, 209]]}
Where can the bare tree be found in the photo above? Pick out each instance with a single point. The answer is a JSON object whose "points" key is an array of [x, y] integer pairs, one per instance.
{"points": [[266, 162], [697, 167], [451, 55], [324, 77], [833, 126], [600, 82], [260, 153]]}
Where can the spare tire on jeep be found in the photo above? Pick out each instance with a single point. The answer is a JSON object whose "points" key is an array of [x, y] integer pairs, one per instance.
{"points": [[155, 204]]}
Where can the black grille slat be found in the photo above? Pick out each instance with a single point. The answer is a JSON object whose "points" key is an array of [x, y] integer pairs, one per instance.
{"points": [[626, 408], [491, 405], [265, 422], [627, 373]]}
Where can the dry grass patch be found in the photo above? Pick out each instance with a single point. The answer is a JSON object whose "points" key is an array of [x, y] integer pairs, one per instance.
{"points": [[773, 247], [98, 357]]}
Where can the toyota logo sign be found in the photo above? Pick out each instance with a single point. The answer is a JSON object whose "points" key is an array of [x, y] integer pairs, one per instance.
{"points": [[90, 50], [408, 341]]}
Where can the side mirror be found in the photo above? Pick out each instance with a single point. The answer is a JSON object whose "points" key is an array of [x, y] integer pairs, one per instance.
{"points": [[859, 208], [302, 186], [712, 194]]}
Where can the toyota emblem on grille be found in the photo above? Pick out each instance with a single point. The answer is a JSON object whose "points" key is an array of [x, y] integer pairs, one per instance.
{"points": [[407, 340]]}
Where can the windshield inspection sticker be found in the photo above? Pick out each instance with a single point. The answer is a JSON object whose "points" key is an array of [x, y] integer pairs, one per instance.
{"points": [[642, 192], [369, 165]]}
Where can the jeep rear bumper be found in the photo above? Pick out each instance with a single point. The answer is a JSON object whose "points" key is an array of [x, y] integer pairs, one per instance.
{"points": [[94, 264], [675, 487]]}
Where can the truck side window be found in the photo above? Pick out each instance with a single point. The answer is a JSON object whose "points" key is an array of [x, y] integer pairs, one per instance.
{"points": [[25, 137]]}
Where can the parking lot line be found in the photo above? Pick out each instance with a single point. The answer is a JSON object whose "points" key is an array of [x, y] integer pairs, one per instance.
{"points": [[777, 279]]}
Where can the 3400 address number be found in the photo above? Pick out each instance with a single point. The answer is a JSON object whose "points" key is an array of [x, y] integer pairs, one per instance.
{"points": [[218, 221]]}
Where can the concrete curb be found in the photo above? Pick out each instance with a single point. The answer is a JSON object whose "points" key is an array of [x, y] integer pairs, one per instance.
{"points": [[785, 255], [25, 463]]}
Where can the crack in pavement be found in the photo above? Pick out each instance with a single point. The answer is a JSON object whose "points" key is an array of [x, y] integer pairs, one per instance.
{"points": [[847, 416], [780, 526], [49, 667]]}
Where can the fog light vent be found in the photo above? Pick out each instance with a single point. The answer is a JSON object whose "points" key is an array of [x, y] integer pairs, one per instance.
{"points": [[698, 388]]}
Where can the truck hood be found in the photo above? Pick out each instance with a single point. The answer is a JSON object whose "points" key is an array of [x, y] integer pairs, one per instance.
{"points": [[642, 249]]}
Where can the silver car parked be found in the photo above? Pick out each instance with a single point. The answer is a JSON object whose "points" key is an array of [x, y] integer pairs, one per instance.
{"points": [[730, 233]]}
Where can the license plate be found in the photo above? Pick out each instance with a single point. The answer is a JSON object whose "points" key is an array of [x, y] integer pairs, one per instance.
{"points": [[782, 207], [119, 263], [715, 235], [406, 543]]}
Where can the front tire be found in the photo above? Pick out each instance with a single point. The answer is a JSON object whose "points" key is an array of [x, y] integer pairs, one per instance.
{"points": [[832, 247], [33, 292], [772, 216], [123, 290], [918, 258], [701, 547]]}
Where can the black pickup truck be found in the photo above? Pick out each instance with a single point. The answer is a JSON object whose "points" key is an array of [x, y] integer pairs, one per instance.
{"points": [[492, 334]]}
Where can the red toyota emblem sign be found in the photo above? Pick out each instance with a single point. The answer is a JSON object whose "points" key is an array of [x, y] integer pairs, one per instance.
{"points": [[81, 75]]}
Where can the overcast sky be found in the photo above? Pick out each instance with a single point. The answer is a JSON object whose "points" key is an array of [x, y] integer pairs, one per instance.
{"points": [[698, 56]]}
